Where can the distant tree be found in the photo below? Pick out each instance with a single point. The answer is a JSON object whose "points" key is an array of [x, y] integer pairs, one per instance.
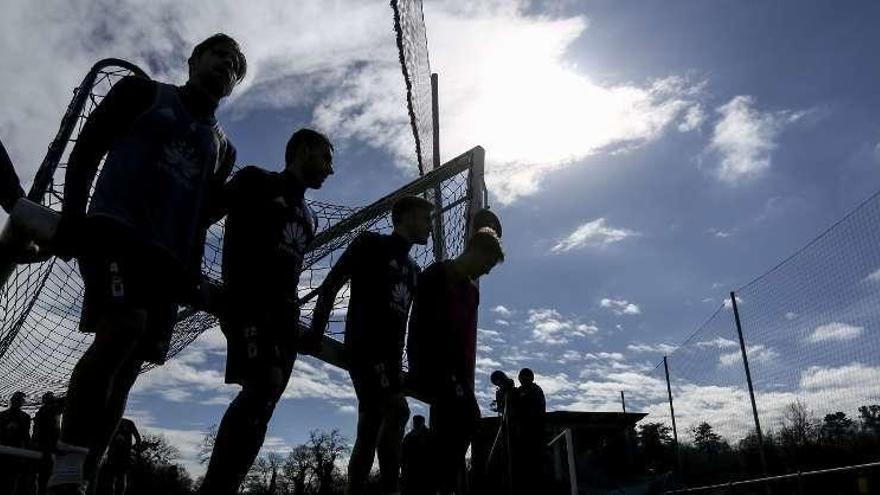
{"points": [[799, 425], [655, 439], [326, 448], [836, 428], [262, 478], [705, 438], [154, 469], [869, 417], [207, 446], [297, 469]]}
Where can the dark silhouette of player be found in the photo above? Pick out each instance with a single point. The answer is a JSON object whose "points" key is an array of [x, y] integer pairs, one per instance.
{"points": [[383, 279], [529, 442], [47, 430], [442, 349], [15, 431], [166, 161], [117, 462], [415, 462], [269, 227]]}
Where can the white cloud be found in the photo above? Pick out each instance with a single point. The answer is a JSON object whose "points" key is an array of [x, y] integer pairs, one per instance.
{"points": [[620, 306], [834, 331], [744, 138], [502, 311], [550, 327], [873, 276], [729, 305], [756, 354], [791, 315], [658, 348], [693, 119], [719, 342], [596, 233]]}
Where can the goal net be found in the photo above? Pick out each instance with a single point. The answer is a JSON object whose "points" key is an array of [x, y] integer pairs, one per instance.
{"points": [[40, 303]]}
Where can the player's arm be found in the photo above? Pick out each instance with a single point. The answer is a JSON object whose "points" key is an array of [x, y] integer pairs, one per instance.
{"points": [[124, 103], [338, 276], [222, 193]]}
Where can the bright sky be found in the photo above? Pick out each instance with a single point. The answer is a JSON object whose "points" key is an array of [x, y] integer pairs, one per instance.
{"points": [[646, 158]]}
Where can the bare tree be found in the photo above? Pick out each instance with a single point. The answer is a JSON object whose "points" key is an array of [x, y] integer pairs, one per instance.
{"points": [[298, 469], [799, 425], [204, 454], [326, 449]]}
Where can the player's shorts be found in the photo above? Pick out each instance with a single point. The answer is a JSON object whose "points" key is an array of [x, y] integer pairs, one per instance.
{"points": [[375, 383], [122, 276], [258, 344]]}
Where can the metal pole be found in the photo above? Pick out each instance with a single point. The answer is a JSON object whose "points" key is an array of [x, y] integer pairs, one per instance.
{"points": [[439, 231], [671, 409], [742, 347], [623, 401], [572, 468]]}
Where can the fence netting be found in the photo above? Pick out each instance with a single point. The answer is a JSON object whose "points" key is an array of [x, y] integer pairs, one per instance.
{"points": [[412, 44]]}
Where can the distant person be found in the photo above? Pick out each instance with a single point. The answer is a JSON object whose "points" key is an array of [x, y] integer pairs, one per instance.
{"points": [[47, 430], [269, 227], [15, 431], [443, 345], [416, 461], [140, 243], [383, 280], [529, 432], [117, 463]]}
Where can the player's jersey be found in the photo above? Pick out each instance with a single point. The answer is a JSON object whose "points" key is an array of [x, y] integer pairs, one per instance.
{"points": [[443, 329], [383, 282], [156, 176], [15, 428], [269, 227]]}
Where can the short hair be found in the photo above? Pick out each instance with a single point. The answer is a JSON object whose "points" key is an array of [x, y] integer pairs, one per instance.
{"points": [[406, 204], [526, 373], [219, 39], [486, 240], [18, 396], [308, 137]]}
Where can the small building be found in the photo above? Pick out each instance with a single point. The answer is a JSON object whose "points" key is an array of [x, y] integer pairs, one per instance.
{"points": [[603, 446]]}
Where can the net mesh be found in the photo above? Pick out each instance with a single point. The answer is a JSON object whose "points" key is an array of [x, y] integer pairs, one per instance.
{"points": [[412, 44], [40, 302], [810, 328]]}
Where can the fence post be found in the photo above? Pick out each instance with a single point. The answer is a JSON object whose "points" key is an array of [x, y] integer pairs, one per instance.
{"points": [[742, 347], [672, 413], [439, 231], [623, 401]]}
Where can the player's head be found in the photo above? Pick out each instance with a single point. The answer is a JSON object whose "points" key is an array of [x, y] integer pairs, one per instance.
{"points": [[418, 422], [217, 65], [309, 157], [482, 253], [411, 217], [17, 400], [526, 376], [48, 397]]}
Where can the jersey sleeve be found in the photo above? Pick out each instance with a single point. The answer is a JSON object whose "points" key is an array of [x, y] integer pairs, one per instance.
{"points": [[339, 275]]}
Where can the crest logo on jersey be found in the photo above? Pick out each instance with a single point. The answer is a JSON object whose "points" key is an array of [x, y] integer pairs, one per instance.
{"points": [[181, 161], [294, 239]]}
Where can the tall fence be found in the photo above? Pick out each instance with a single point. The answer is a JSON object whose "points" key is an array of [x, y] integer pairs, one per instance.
{"points": [[810, 336]]}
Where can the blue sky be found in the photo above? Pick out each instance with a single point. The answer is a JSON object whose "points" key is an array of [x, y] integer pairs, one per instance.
{"points": [[646, 158]]}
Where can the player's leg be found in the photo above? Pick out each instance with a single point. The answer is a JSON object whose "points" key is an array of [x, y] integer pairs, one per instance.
{"points": [[88, 394], [116, 403], [390, 438], [364, 450], [243, 430]]}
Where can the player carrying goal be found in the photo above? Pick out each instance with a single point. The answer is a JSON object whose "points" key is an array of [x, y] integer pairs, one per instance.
{"points": [[167, 159]]}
